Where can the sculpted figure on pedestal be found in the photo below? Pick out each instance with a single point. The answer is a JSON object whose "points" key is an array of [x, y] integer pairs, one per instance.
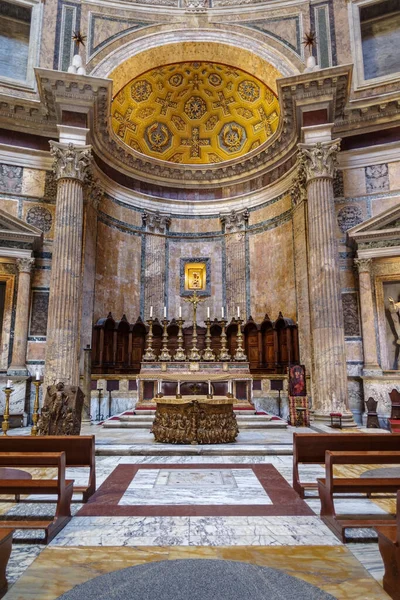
{"points": [[394, 309], [62, 410]]}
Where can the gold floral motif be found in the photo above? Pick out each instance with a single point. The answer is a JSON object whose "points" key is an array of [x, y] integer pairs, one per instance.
{"points": [[211, 122], [141, 90], [195, 107], [248, 91], [178, 122]]}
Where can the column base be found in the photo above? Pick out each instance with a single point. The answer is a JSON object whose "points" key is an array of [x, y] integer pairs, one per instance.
{"points": [[371, 371], [18, 371], [324, 419]]}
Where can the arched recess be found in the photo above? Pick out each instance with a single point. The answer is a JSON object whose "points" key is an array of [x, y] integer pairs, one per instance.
{"points": [[231, 46]]}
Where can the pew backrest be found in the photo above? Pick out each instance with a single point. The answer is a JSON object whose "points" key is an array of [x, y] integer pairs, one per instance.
{"points": [[32, 459], [380, 457], [310, 448]]}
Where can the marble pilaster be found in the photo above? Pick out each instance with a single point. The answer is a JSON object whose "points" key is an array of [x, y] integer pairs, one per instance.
{"points": [[235, 224], [156, 226], [329, 351], [62, 348], [18, 361], [367, 316]]}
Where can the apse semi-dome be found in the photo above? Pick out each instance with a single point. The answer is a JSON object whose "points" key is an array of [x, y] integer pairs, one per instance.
{"points": [[195, 113]]}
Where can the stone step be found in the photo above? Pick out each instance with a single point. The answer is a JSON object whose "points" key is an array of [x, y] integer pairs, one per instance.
{"points": [[114, 424], [149, 418], [235, 449]]}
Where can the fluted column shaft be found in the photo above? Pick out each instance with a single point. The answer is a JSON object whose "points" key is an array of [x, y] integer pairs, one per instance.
{"points": [[330, 372], [367, 314], [62, 344], [18, 361]]}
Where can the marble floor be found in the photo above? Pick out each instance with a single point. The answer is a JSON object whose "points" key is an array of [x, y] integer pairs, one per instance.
{"points": [[298, 543]]}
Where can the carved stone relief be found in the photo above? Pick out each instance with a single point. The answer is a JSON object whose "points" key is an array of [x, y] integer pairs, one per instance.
{"points": [[10, 179], [40, 217], [349, 216], [377, 178], [351, 320]]}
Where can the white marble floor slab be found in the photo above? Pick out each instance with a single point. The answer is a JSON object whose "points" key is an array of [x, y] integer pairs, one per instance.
{"points": [[195, 531], [198, 487]]}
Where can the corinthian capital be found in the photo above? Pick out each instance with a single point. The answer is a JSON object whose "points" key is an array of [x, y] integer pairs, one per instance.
{"points": [[363, 264], [319, 159], [24, 265], [70, 161]]}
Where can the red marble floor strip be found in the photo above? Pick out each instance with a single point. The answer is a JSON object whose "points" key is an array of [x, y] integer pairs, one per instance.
{"points": [[104, 503]]}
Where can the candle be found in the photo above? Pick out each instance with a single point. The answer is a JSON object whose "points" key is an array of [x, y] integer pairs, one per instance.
{"points": [[165, 312], [208, 312], [209, 388], [222, 311], [9, 383], [180, 311], [151, 311], [238, 312], [179, 387], [37, 377]]}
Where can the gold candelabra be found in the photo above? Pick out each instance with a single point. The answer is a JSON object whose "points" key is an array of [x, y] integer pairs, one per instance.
{"points": [[194, 354], [165, 355], [224, 354], [180, 352], [5, 424], [239, 354], [208, 354], [149, 354], [35, 415]]}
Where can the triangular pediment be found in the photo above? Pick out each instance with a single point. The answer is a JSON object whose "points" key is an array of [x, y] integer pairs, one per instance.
{"points": [[16, 230], [382, 228]]}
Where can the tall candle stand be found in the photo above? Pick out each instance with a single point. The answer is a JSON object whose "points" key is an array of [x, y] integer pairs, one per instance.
{"points": [[224, 354], [149, 354], [208, 354], [239, 354], [35, 415], [180, 352], [165, 355], [5, 424], [194, 354]]}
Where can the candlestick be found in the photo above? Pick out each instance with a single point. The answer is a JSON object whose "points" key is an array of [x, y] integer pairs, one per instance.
{"points": [[5, 424], [224, 354], [165, 355], [208, 354], [149, 354], [194, 353], [180, 352], [35, 414], [239, 354]]}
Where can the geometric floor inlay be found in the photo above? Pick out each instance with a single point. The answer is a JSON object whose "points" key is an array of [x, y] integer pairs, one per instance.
{"points": [[195, 490]]}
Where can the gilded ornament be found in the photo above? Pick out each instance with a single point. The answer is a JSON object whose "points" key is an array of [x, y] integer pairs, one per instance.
{"points": [[178, 122], [232, 137], [141, 90], [248, 91], [211, 122], [214, 79], [176, 80], [158, 137], [245, 112], [195, 107]]}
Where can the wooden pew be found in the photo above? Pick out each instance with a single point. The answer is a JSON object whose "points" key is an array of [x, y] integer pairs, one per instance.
{"points": [[79, 452], [5, 551], [389, 546], [310, 448], [60, 487], [331, 485]]}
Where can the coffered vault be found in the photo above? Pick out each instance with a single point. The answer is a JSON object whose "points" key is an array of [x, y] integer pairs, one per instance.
{"points": [[195, 112]]}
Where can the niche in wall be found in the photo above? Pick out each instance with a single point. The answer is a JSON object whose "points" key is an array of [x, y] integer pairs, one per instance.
{"points": [[380, 35]]}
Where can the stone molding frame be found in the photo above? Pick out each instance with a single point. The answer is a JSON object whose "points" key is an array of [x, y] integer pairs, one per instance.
{"points": [[194, 259], [9, 280], [379, 281]]}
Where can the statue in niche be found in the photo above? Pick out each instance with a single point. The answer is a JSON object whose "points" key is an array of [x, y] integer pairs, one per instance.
{"points": [[62, 410], [394, 308]]}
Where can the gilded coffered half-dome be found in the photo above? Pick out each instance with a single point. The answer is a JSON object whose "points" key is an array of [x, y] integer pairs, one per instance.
{"points": [[195, 113]]}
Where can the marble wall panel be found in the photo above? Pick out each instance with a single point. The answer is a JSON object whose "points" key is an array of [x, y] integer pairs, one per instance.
{"points": [[154, 274], [377, 178], [178, 249], [379, 205], [40, 276], [354, 182], [118, 272], [36, 350], [121, 211], [39, 313], [235, 244], [9, 206], [354, 351], [40, 215], [351, 317], [394, 176], [33, 182], [348, 279], [10, 179], [270, 211], [272, 283], [195, 225]]}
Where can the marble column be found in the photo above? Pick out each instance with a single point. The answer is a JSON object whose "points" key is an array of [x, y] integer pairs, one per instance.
{"points": [[367, 316], [62, 345], [329, 349], [18, 361]]}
